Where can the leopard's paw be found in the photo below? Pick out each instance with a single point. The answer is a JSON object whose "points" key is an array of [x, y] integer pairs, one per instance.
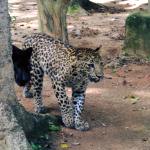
{"points": [[82, 125], [68, 120]]}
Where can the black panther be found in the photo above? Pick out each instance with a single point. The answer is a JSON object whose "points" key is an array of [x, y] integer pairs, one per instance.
{"points": [[22, 67]]}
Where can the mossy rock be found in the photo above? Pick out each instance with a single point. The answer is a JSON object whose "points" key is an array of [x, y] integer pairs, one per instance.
{"points": [[137, 41]]}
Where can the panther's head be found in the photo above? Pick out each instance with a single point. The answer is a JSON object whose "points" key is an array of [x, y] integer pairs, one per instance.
{"points": [[94, 63], [21, 65]]}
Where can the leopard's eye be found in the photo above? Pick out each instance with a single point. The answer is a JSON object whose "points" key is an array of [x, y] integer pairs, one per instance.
{"points": [[91, 65]]}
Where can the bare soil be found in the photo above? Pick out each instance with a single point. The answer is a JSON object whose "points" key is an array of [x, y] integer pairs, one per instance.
{"points": [[118, 108]]}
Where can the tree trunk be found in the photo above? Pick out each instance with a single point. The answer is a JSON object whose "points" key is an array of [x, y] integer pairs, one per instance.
{"points": [[14, 120], [52, 18], [149, 6]]}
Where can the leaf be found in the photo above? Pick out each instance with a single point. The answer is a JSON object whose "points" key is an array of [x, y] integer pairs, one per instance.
{"points": [[145, 139], [114, 70], [134, 99], [64, 146], [13, 18], [75, 143], [35, 146], [53, 127]]}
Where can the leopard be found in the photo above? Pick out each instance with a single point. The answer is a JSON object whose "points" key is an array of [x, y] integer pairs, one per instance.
{"points": [[66, 66]]}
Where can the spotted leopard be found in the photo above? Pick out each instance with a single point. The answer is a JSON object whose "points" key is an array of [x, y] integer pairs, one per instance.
{"points": [[66, 66]]}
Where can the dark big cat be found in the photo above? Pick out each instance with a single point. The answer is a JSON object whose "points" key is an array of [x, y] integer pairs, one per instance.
{"points": [[21, 62]]}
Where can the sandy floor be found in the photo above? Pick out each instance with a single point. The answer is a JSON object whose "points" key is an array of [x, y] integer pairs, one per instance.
{"points": [[118, 108]]}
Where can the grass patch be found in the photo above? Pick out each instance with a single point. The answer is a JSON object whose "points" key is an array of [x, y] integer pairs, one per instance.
{"points": [[73, 9], [45, 134]]}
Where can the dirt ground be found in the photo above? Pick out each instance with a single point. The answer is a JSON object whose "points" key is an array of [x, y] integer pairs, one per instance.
{"points": [[118, 108]]}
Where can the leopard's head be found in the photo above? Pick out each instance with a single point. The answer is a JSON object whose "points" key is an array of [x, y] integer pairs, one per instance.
{"points": [[93, 63]]}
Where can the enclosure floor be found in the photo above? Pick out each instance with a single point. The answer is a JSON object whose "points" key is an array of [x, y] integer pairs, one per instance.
{"points": [[118, 108]]}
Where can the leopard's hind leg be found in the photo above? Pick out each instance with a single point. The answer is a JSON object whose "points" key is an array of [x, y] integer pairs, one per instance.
{"points": [[37, 83], [64, 103]]}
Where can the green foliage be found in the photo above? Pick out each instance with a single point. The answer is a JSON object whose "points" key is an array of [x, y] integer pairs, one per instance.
{"points": [[138, 33], [53, 127], [139, 21], [113, 70], [13, 18], [41, 138], [73, 9], [36, 146]]}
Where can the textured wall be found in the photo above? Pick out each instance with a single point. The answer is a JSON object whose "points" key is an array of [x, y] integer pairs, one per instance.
{"points": [[11, 134]]}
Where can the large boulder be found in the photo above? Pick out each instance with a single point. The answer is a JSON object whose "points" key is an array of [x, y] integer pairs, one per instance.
{"points": [[137, 41]]}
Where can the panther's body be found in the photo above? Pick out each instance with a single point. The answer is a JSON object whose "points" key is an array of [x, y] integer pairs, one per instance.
{"points": [[66, 66]]}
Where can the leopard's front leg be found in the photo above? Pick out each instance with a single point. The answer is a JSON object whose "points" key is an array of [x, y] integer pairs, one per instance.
{"points": [[78, 98], [65, 105]]}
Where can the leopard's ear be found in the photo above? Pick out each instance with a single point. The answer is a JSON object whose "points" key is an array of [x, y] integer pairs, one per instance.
{"points": [[98, 48]]}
